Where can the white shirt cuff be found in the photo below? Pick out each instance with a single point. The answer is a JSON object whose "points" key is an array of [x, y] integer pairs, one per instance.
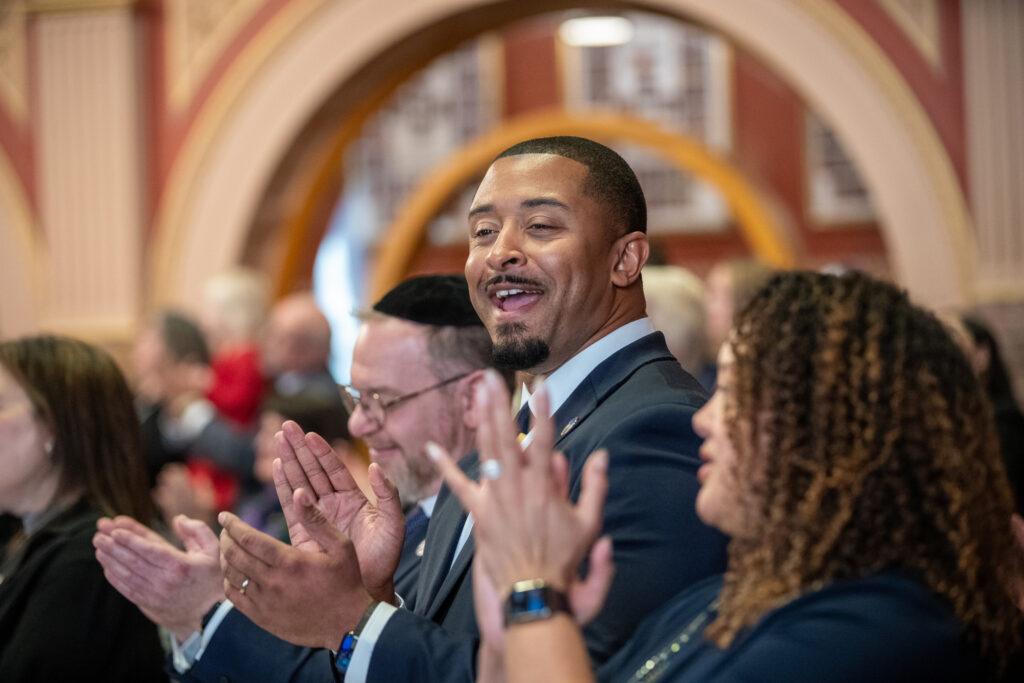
{"points": [[359, 667], [185, 655]]}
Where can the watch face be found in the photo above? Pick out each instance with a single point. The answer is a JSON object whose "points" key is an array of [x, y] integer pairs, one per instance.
{"points": [[528, 605], [527, 601], [348, 644]]}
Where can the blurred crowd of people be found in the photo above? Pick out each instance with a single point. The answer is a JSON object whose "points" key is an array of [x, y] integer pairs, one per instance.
{"points": [[838, 509]]}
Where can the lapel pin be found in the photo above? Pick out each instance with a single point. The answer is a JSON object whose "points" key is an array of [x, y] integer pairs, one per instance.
{"points": [[568, 428]]}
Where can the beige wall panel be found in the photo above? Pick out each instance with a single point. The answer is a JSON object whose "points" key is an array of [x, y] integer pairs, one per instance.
{"points": [[89, 165], [994, 78], [19, 294]]}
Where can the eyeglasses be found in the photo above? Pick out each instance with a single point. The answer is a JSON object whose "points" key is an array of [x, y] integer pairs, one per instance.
{"points": [[376, 407]]}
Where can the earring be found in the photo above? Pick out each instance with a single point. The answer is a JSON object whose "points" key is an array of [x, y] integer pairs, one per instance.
{"points": [[48, 447]]}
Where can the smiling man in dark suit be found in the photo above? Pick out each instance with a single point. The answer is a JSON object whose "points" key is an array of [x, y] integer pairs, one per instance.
{"points": [[557, 234]]}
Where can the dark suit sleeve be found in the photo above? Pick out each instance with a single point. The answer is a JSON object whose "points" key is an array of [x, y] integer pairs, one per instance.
{"points": [[242, 651], [660, 546], [228, 447], [412, 648]]}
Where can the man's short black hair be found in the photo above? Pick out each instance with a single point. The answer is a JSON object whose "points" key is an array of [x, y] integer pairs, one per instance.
{"points": [[610, 179]]}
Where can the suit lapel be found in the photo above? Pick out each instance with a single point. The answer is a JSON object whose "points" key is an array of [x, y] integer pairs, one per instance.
{"points": [[442, 537], [452, 578], [605, 379], [435, 580]]}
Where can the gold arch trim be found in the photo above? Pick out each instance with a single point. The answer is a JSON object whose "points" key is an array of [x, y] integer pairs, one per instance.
{"points": [[765, 236], [171, 229]]}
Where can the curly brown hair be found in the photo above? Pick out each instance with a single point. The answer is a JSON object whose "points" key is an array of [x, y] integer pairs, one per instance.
{"points": [[873, 447]]}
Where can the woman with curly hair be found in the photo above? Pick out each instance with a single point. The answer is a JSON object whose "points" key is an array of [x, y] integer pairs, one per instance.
{"points": [[850, 455], [69, 453]]}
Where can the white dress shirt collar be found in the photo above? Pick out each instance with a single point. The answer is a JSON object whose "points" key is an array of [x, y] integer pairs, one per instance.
{"points": [[428, 505], [563, 381]]}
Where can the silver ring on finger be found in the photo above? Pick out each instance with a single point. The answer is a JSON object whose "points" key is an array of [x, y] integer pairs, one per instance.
{"points": [[245, 585], [490, 469]]}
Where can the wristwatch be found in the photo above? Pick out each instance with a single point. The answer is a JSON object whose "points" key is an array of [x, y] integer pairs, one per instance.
{"points": [[348, 643], [533, 600]]}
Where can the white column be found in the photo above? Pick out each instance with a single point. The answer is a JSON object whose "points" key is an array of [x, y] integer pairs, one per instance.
{"points": [[993, 40]]}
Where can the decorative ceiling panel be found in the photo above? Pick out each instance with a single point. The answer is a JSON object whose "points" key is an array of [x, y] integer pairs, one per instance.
{"points": [[919, 21], [197, 32]]}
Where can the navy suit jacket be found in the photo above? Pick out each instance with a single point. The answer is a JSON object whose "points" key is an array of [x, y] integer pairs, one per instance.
{"points": [[886, 627], [638, 404]]}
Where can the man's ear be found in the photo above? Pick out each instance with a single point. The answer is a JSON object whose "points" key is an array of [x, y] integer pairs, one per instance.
{"points": [[630, 252], [472, 411]]}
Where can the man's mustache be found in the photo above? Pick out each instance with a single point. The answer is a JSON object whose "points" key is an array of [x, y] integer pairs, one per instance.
{"points": [[512, 280]]}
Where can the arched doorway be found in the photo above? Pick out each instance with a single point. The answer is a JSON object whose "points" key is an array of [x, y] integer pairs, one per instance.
{"points": [[816, 46]]}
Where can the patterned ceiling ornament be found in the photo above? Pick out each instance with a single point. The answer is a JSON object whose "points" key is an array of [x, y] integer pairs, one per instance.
{"points": [[13, 50], [919, 21], [197, 32]]}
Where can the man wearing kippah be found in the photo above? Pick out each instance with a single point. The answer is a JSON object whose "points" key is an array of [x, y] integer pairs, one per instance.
{"points": [[420, 351], [557, 237]]}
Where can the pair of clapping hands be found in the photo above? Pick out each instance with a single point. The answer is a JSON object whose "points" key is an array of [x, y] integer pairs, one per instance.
{"points": [[345, 548], [343, 553], [525, 527]]}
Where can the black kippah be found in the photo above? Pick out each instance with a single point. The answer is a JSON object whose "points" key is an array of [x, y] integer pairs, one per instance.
{"points": [[437, 300]]}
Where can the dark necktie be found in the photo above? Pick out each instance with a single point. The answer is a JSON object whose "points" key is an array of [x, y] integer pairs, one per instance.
{"points": [[523, 418], [416, 521]]}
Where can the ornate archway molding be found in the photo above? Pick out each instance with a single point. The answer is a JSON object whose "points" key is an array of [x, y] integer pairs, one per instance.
{"points": [[299, 61]]}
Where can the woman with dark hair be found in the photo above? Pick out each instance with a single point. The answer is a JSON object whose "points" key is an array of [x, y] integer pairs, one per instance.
{"points": [[69, 454], [850, 455]]}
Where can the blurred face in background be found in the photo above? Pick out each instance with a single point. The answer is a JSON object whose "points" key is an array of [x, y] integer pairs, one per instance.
{"points": [[297, 337], [28, 478], [719, 298], [159, 376], [149, 361]]}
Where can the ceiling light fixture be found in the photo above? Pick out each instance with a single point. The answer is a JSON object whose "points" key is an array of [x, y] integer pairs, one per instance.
{"points": [[596, 31]]}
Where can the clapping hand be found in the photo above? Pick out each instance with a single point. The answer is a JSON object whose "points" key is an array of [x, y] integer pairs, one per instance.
{"points": [[344, 548], [524, 525], [173, 588]]}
